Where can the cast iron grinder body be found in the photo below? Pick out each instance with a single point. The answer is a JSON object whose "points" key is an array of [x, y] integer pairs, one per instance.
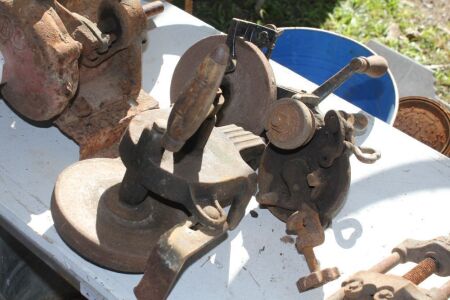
{"points": [[304, 173], [76, 64]]}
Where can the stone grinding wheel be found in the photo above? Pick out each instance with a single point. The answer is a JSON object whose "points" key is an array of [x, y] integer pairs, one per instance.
{"points": [[90, 219], [426, 120], [248, 91]]}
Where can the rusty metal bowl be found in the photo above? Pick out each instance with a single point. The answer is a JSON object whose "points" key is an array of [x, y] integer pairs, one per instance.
{"points": [[426, 120]]}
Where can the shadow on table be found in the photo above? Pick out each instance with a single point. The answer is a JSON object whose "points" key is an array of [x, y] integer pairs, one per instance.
{"points": [[254, 269], [347, 224], [399, 180], [384, 185], [248, 265]]}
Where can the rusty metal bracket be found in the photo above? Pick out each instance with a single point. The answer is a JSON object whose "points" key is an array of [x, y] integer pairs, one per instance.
{"points": [[432, 257], [174, 250], [305, 223], [76, 64], [264, 37]]}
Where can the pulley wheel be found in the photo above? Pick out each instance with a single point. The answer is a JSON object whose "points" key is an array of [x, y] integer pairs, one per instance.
{"points": [[90, 218], [289, 124], [248, 91]]}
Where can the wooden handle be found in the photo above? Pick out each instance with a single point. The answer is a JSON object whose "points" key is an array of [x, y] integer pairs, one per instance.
{"points": [[373, 66], [194, 103]]}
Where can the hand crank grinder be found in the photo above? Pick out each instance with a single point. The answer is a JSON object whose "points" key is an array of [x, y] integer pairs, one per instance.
{"points": [[77, 64], [164, 200], [304, 173]]}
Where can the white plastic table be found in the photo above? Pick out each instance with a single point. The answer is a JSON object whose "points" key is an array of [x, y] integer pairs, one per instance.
{"points": [[404, 195]]}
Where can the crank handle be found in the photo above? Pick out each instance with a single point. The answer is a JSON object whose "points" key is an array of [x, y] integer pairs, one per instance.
{"points": [[373, 66]]}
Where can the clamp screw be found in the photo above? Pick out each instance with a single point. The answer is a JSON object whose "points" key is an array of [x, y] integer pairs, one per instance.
{"points": [[422, 271]]}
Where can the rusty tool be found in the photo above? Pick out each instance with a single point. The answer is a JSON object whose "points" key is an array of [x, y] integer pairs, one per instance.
{"points": [[431, 257], [249, 85], [306, 225], [76, 64], [164, 200], [305, 170]]}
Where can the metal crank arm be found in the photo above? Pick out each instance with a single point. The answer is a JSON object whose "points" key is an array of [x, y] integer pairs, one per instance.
{"points": [[169, 257], [373, 66]]}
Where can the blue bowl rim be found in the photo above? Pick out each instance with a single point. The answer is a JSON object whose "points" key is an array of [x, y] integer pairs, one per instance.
{"points": [[396, 104]]}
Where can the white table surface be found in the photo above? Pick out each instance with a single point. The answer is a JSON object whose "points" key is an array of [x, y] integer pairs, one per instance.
{"points": [[404, 195]]}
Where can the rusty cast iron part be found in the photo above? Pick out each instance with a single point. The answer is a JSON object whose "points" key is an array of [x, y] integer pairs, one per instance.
{"points": [[76, 64], [264, 37], [249, 82], [426, 120], [305, 223], [304, 173], [164, 200], [431, 257]]}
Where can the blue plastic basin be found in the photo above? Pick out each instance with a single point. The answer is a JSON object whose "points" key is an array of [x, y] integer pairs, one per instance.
{"points": [[318, 54]]}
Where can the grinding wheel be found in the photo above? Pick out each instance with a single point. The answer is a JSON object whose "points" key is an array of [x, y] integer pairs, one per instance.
{"points": [[90, 218], [249, 90]]}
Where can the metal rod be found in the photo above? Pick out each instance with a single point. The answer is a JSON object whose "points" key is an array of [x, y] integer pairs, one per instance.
{"points": [[386, 264], [313, 264], [333, 83], [131, 191], [373, 66]]}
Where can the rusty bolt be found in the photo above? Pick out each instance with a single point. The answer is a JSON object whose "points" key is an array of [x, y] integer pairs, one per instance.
{"points": [[422, 271]]}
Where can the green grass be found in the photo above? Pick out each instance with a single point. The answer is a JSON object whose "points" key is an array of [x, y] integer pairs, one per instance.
{"points": [[361, 20], [428, 44]]}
